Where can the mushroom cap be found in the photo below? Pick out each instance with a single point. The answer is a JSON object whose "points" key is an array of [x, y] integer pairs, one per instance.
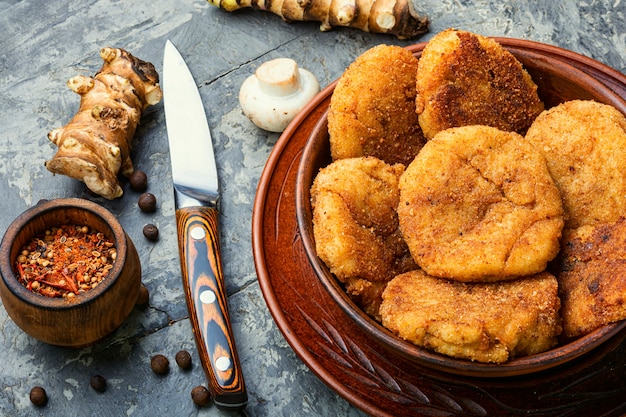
{"points": [[276, 93]]}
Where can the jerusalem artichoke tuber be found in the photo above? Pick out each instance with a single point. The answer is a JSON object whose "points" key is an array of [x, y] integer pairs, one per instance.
{"points": [[394, 17], [95, 145]]}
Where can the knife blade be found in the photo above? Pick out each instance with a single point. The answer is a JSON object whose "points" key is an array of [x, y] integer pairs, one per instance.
{"points": [[196, 195]]}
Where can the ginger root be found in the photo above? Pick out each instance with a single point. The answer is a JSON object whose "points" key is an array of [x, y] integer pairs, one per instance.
{"points": [[95, 145], [394, 17]]}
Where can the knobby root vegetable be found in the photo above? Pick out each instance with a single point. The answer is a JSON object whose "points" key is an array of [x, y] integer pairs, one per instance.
{"points": [[394, 17], [95, 145]]}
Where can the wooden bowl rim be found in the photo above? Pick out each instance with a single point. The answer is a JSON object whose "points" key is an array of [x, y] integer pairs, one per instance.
{"points": [[46, 207]]}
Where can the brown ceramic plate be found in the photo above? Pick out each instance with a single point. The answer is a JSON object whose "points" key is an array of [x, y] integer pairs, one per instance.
{"points": [[362, 368]]}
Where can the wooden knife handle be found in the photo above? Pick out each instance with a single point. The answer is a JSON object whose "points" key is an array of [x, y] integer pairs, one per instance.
{"points": [[203, 280]]}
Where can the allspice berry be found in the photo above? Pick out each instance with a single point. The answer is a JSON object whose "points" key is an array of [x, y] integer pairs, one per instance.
{"points": [[147, 202], [200, 396], [138, 181], [151, 232], [98, 383], [38, 396], [160, 364], [183, 359]]}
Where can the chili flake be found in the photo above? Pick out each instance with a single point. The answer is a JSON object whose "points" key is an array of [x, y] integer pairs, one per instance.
{"points": [[65, 261]]}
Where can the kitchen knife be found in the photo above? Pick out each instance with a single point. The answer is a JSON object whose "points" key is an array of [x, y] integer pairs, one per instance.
{"points": [[196, 195]]}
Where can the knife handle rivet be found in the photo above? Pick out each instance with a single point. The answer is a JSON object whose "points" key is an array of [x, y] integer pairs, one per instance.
{"points": [[223, 363], [197, 233], [207, 297]]}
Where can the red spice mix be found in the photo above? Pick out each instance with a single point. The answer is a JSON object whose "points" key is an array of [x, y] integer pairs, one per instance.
{"points": [[65, 261]]}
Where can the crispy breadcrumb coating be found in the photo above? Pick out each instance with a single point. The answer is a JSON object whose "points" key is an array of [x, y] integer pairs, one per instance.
{"points": [[592, 279], [492, 322], [372, 109], [355, 226], [478, 204], [467, 79], [584, 143]]}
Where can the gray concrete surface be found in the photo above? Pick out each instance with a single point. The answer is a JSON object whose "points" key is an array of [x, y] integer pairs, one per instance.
{"points": [[43, 44]]}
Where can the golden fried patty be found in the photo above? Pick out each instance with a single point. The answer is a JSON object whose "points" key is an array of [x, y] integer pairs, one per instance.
{"points": [[584, 143], [592, 280], [355, 226], [467, 79], [366, 294], [478, 204], [491, 322], [372, 109]]}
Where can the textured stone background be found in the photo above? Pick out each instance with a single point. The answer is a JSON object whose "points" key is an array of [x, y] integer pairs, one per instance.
{"points": [[45, 43]]}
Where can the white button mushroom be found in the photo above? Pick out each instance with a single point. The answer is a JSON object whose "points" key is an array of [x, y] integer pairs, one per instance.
{"points": [[276, 93]]}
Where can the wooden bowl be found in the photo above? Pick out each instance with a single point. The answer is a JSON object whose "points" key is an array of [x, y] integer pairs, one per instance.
{"points": [[557, 82], [91, 315]]}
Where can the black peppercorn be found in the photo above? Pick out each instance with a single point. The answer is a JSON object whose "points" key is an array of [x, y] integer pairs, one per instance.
{"points": [[200, 396], [151, 232], [138, 181], [160, 364], [147, 202], [183, 359], [98, 383], [38, 396]]}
